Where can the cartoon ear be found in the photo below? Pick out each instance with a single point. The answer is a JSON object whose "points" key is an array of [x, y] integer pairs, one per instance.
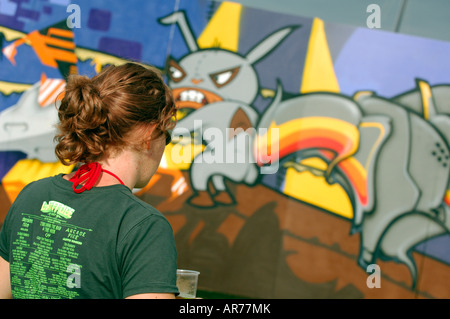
{"points": [[179, 18], [240, 120], [269, 43]]}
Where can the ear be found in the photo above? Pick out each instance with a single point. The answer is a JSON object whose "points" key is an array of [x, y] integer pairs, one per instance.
{"points": [[147, 133], [268, 44], [179, 18]]}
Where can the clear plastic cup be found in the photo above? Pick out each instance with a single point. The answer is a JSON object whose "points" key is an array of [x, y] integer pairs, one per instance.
{"points": [[187, 283]]}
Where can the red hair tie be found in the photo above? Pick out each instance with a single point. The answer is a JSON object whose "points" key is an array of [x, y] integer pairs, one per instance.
{"points": [[89, 173]]}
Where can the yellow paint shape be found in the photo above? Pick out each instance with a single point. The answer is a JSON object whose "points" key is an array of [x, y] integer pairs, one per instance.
{"points": [[223, 29], [425, 91], [318, 74], [11, 34], [29, 170], [10, 87], [316, 191], [361, 94], [382, 134], [98, 57], [315, 162]]}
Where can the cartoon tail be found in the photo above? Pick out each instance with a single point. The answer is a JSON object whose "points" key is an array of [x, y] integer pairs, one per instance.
{"points": [[268, 115], [265, 144]]}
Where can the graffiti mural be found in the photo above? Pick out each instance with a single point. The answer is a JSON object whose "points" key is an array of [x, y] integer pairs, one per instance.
{"points": [[305, 152]]}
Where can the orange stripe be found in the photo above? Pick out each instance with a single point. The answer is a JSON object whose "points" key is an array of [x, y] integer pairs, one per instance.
{"points": [[60, 43], [60, 33], [333, 140], [50, 96], [50, 87], [324, 134], [48, 55], [356, 174], [329, 138], [44, 86]]}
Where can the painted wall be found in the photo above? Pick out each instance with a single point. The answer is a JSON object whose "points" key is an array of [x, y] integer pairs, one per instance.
{"points": [[310, 160]]}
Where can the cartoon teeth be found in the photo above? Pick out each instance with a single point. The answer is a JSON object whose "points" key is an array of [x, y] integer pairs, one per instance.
{"points": [[192, 96]]}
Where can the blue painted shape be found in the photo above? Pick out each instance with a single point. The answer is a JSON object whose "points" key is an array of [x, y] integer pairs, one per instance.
{"points": [[99, 19], [388, 63]]}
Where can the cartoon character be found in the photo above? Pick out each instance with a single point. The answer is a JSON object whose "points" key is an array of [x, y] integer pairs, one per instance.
{"points": [[411, 182], [393, 164], [210, 81]]}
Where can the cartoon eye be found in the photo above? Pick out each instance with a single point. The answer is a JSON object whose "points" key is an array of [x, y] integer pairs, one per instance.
{"points": [[224, 77], [176, 72]]}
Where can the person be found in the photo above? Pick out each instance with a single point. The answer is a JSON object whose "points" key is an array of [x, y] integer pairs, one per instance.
{"points": [[84, 234]]}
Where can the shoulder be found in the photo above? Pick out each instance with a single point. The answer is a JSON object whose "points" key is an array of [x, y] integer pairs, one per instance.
{"points": [[139, 206], [35, 187], [140, 214], [43, 182]]}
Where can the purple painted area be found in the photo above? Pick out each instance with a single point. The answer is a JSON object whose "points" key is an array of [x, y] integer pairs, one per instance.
{"points": [[99, 19], [29, 14], [11, 22], [20, 1], [388, 63], [123, 48], [47, 10], [20, 14], [7, 161], [438, 248]]}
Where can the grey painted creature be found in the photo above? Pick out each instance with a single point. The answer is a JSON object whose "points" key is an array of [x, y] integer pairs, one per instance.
{"points": [[390, 156], [411, 182], [220, 86], [406, 159]]}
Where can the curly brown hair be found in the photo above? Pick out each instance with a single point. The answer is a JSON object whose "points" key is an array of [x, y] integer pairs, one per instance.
{"points": [[98, 115]]}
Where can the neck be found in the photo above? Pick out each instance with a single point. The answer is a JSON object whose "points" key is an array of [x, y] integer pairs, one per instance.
{"points": [[122, 165]]}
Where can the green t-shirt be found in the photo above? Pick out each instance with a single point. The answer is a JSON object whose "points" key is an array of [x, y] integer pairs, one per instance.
{"points": [[104, 243]]}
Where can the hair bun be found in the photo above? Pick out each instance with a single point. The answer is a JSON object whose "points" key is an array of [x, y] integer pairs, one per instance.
{"points": [[83, 101], [85, 85]]}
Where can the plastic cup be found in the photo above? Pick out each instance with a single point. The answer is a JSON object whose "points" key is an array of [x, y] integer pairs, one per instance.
{"points": [[187, 283]]}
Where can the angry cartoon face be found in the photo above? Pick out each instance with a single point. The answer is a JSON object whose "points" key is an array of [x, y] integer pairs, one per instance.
{"points": [[209, 76], [205, 76]]}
